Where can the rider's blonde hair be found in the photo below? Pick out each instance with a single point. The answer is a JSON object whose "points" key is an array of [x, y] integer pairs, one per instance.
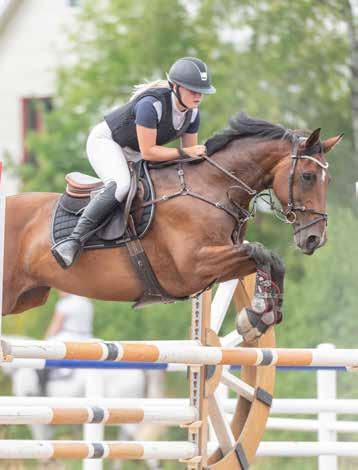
{"points": [[138, 89]]}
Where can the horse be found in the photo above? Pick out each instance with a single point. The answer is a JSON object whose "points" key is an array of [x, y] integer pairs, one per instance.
{"points": [[197, 238]]}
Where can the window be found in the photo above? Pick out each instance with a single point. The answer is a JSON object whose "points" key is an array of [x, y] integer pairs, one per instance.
{"points": [[32, 120]]}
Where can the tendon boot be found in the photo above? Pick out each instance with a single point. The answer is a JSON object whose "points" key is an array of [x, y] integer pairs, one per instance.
{"points": [[67, 251]]}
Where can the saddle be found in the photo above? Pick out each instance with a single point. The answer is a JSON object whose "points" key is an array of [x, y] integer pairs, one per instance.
{"points": [[113, 231]]}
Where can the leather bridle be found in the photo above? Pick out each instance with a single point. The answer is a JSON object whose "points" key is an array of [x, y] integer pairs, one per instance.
{"points": [[292, 207]]}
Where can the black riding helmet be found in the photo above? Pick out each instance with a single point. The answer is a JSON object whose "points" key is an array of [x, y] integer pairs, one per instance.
{"points": [[191, 73]]}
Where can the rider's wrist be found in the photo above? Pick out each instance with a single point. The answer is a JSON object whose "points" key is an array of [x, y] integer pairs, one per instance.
{"points": [[182, 153]]}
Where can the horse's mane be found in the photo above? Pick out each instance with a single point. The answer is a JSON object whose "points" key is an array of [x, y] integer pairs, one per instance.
{"points": [[241, 126]]}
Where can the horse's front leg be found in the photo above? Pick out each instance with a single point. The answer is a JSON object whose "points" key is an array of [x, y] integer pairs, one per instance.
{"points": [[266, 307], [224, 262], [231, 262]]}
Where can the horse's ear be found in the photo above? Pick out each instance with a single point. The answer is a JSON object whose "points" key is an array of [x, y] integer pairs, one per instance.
{"points": [[313, 138], [330, 143]]}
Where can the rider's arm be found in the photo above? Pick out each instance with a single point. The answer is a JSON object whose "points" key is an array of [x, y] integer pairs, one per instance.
{"points": [[188, 140], [150, 151], [158, 153]]}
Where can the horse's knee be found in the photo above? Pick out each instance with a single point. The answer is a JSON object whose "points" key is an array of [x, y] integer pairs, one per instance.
{"points": [[258, 253], [264, 257]]}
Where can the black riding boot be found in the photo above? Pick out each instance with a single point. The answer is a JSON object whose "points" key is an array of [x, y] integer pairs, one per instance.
{"points": [[68, 250]]}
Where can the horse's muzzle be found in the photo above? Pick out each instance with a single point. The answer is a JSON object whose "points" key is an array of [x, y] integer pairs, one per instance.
{"points": [[310, 244]]}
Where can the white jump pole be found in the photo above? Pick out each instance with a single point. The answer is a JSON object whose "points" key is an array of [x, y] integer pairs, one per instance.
{"points": [[279, 406], [93, 415], [179, 352], [327, 390], [125, 450]]}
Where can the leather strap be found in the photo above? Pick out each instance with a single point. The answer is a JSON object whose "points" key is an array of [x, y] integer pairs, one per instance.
{"points": [[153, 292]]}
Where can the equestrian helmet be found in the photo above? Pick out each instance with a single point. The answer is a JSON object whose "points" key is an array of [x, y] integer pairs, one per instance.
{"points": [[193, 74]]}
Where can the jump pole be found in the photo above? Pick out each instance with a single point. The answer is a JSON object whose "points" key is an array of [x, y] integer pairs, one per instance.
{"points": [[173, 416], [299, 406], [182, 352], [125, 450]]}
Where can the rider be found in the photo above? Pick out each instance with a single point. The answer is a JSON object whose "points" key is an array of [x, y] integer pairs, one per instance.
{"points": [[157, 113]]}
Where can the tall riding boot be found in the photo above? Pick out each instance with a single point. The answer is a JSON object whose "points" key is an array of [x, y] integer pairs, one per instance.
{"points": [[68, 250]]}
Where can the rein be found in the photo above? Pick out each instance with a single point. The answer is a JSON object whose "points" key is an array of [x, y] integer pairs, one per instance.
{"points": [[243, 215]]}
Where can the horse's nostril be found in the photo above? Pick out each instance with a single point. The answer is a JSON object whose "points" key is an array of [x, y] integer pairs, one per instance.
{"points": [[312, 242]]}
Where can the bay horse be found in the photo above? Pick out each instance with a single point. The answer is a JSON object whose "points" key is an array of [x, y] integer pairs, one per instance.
{"points": [[194, 241]]}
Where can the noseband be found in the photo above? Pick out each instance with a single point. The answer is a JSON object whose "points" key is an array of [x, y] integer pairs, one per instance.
{"points": [[292, 208]]}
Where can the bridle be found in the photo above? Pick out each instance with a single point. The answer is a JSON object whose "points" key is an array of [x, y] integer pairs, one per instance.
{"points": [[292, 208], [290, 215]]}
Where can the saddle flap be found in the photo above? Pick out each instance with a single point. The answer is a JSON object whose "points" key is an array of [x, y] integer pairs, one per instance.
{"points": [[115, 227], [80, 185]]}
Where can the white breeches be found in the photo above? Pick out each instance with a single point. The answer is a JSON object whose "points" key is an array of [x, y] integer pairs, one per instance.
{"points": [[108, 159]]}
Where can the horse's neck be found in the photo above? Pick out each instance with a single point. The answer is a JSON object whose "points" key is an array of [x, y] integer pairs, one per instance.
{"points": [[252, 162]]}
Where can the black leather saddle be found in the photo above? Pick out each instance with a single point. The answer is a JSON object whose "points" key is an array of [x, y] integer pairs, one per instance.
{"points": [[112, 232]]}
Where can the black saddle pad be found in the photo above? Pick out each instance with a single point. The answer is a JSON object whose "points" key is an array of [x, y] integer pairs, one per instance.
{"points": [[69, 209]]}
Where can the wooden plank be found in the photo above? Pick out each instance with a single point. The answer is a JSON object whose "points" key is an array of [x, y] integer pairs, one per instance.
{"points": [[220, 424]]}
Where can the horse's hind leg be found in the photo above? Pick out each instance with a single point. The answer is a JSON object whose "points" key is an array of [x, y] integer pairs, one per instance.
{"points": [[31, 298]]}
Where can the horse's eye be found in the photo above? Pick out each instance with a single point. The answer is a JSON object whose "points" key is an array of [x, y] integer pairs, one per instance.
{"points": [[306, 176]]}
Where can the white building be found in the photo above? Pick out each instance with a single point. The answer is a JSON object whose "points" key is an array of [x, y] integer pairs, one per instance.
{"points": [[32, 41]]}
